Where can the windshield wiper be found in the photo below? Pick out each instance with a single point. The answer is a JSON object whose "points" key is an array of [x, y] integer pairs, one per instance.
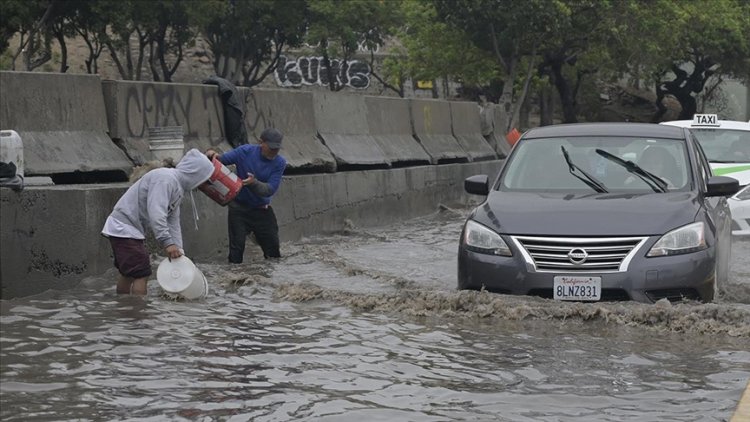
{"points": [[589, 180], [653, 181]]}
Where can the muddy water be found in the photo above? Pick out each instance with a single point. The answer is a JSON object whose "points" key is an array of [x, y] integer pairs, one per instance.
{"points": [[367, 324]]}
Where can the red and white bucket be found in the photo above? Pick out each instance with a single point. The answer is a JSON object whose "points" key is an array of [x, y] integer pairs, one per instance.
{"points": [[223, 185]]}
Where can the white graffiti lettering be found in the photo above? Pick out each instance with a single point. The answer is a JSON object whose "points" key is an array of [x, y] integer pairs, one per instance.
{"points": [[292, 72]]}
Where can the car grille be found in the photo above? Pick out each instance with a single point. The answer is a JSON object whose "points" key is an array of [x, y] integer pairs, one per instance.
{"points": [[574, 254]]}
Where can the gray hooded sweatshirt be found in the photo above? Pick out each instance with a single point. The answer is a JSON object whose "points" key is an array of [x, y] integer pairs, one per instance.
{"points": [[154, 201]]}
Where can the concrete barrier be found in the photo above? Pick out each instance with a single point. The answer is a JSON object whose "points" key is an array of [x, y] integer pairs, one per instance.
{"points": [[342, 124], [50, 236], [39, 253], [292, 113], [61, 121], [389, 123], [133, 107], [467, 128], [431, 120]]}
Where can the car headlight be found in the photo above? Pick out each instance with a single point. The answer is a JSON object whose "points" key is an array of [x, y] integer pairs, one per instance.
{"points": [[480, 239], [743, 194], [686, 239]]}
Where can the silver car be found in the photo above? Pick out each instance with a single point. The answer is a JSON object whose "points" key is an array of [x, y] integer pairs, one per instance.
{"points": [[600, 211]]}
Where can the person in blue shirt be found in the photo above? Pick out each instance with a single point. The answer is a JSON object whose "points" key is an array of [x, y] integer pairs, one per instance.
{"points": [[250, 212]]}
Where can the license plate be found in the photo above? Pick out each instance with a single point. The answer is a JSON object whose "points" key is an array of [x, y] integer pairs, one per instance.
{"points": [[577, 288]]}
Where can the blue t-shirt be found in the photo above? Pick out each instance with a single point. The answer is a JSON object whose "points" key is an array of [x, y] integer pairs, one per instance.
{"points": [[248, 159]]}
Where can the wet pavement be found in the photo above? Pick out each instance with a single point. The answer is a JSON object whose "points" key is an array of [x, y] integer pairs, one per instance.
{"points": [[367, 324]]}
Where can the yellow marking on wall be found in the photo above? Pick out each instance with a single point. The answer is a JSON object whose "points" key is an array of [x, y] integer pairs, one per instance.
{"points": [[427, 112], [424, 84]]}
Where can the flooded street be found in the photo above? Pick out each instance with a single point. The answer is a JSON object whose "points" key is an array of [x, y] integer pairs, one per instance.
{"points": [[367, 325]]}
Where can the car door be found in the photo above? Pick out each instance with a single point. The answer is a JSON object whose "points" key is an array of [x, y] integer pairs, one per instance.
{"points": [[718, 213]]}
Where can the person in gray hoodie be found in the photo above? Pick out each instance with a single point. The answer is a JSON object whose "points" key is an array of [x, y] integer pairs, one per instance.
{"points": [[153, 202]]}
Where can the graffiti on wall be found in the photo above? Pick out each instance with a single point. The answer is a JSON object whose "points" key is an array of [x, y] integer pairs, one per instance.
{"points": [[311, 71], [198, 111]]}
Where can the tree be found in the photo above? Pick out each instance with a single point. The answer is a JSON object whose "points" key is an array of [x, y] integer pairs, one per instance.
{"points": [[510, 31], [431, 49], [89, 21], [31, 19], [576, 47], [714, 40], [129, 20], [172, 30], [682, 45], [339, 27], [248, 37]]}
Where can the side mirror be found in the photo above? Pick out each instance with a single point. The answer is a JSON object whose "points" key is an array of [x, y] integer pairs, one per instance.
{"points": [[477, 185], [722, 186]]}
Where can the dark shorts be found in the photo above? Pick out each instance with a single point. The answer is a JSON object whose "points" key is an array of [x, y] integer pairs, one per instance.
{"points": [[131, 257]]}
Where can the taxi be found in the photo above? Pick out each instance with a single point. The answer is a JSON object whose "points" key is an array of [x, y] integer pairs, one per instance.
{"points": [[726, 144]]}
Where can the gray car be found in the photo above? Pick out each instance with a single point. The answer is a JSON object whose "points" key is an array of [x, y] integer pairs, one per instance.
{"points": [[600, 211]]}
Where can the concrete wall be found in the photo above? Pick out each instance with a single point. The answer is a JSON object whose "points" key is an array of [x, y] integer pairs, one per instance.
{"points": [[341, 120], [467, 129], [371, 160], [62, 122], [389, 124], [51, 235], [292, 112], [431, 120], [133, 107]]}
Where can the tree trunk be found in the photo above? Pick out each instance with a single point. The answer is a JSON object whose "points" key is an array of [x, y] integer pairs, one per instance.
{"points": [[434, 90], [34, 60], [505, 102], [523, 115], [116, 60], [152, 62], [546, 105], [524, 92], [685, 85], [567, 100], [63, 51]]}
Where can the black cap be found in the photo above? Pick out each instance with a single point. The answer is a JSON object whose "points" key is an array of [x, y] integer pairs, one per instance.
{"points": [[272, 138]]}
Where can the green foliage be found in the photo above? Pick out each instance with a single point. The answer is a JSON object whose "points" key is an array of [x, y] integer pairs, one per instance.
{"points": [[340, 27], [433, 49], [504, 27], [17, 16], [252, 33], [6, 61], [481, 43], [679, 45]]}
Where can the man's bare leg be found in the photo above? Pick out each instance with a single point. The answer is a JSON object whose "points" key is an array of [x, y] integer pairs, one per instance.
{"points": [[124, 284], [140, 286]]}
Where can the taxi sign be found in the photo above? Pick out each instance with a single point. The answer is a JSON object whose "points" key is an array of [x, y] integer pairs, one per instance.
{"points": [[705, 120]]}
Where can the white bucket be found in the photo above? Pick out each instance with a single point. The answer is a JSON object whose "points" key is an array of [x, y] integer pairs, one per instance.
{"points": [[11, 149], [180, 277], [166, 143]]}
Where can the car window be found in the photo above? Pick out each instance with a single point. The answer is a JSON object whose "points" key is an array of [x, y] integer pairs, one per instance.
{"points": [[703, 166], [725, 145], [540, 165]]}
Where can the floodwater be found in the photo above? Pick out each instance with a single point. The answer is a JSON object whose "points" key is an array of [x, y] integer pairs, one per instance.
{"points": [[367, 325]]}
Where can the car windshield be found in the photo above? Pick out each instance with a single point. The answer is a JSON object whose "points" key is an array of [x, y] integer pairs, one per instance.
{"points": [[724, 145], [597, 164]]}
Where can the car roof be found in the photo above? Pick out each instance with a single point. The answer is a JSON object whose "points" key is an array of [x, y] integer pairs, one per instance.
{"points": [[723, 124], [649, 130]]}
